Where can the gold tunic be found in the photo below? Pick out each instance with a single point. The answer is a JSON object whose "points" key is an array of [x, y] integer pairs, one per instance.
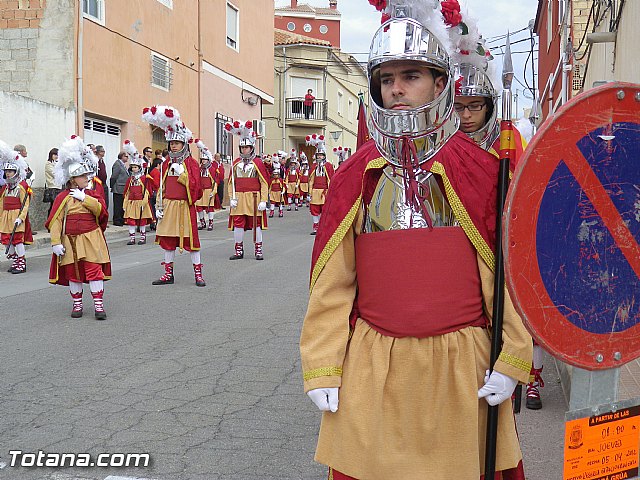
{"points": [[408, 407], [245, 199], [8, 217], [176, 221], [91, 246], [318, 195], [137, 209]]}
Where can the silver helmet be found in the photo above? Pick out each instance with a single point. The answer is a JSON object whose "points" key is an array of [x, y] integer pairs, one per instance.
{"points": [[429, 126], [74, 160], [473, 81]]}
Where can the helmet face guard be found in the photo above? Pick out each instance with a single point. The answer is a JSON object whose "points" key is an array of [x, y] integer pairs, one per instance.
{"points": [[429, 126], [15, 178], [79, 169], [247, 142]]}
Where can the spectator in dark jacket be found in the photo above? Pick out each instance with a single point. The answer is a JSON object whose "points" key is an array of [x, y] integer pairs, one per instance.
{"points": [[102, 172], [119, 176]]}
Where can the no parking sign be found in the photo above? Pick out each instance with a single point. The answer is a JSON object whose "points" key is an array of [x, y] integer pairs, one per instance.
{"points": [[572, 230]]}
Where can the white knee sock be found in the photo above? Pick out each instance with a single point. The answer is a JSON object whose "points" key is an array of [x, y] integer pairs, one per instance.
{"points": [[201, 214], [96, 285], [169, 255], [210, 215], [143, 228], [75, 287], [538, 355], [20, 249], [258, 235], [316, 218], [238, 233], [195, 258], [132, 229]]}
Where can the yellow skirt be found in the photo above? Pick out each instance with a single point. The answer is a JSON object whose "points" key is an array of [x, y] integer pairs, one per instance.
{"points": [[409, 409]]}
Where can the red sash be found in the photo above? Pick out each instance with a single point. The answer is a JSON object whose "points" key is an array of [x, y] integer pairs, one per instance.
{"points": [[135, 192], [304, 178], [174, 190], [247, 184], [292, 179], [79, 223], [320, 183], [418, 282], [12, 203], [205, 182]]}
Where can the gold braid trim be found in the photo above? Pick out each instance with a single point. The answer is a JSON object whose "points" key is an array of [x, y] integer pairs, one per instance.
{"points": [[342, 229], [322, 372], [463, 217], [330, 474], [515, 361]]}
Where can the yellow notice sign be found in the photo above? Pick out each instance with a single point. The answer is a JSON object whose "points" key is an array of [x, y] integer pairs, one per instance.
{"points": [[602, 447]]}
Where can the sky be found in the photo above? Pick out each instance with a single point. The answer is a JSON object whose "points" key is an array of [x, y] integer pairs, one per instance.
{"points": [[360, 20]]}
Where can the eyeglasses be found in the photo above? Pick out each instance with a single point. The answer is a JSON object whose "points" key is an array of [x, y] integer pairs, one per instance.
{"points": [[474, 107]]}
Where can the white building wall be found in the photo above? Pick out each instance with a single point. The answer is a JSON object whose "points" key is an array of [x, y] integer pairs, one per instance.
{"points": [[37, 125]]}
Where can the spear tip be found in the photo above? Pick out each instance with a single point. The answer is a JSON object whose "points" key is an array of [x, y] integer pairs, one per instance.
{"points": [[507, 65]]}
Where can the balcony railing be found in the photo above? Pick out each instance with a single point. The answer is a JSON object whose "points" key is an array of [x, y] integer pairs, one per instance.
{"points": [[297, 110]]}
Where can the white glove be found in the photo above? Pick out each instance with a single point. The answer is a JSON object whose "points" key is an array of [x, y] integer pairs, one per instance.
{"points": [[77, 194], [18, 221], [177, 168], [262, 206], [211, 195], [159, 214], [326, 399], [58, 250], [233, 203], [497, 388]]}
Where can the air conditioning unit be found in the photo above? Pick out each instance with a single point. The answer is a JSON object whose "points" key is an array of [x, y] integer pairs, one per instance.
{"points": [[259, 127]]}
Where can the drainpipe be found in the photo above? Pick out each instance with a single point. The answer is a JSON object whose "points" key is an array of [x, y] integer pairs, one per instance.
{"points": [[284, 100], [79, 92], [199, 73]]}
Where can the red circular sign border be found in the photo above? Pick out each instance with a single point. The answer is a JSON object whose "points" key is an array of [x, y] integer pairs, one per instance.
{"points": [[579, 117]]}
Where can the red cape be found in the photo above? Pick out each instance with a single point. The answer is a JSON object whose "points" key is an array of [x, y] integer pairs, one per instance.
{"points": [[99, 188], [468, 173], [193, 173]]}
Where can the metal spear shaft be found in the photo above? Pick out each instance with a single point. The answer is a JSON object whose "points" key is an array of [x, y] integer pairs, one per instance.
{"points": [[507, 149]]}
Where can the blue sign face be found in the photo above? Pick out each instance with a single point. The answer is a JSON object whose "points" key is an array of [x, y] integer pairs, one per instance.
{"points": [[586, 275]]}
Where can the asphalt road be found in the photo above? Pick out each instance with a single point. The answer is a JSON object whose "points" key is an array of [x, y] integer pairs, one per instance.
{"points": [[207, 381]]}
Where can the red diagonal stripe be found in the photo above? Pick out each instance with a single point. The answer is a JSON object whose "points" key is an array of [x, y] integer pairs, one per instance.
{"points": [[607, 210]]}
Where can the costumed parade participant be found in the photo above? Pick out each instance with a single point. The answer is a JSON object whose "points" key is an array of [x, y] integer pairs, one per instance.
{"points": [[395, 346], [293, 182], [477, 107], [137, 196], [304, 179], [178, 192], [77, 223], [319, 178], [248, 191], [209, 202], [277, 194], [341, 153], [15, 198]]}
